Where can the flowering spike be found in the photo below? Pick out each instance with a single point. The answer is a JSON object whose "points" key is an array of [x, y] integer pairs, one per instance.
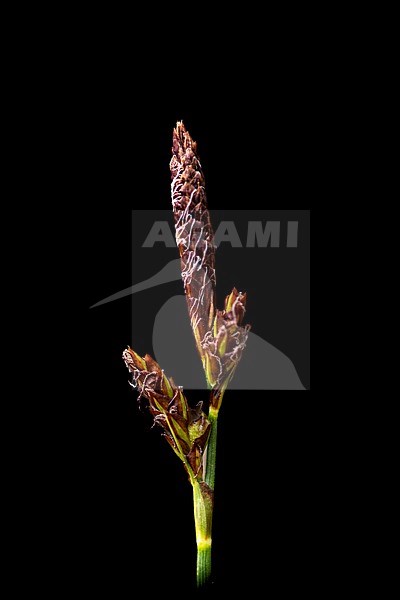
{"points": [[171, 412], [219, 337], [194, 232]]}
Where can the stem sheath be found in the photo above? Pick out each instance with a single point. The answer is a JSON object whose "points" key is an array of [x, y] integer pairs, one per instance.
{"points": [[203, 506], [203, 520]]}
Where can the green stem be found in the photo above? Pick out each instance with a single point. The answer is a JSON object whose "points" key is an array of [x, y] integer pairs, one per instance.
{"points": [[212, 449], [203, 566]]}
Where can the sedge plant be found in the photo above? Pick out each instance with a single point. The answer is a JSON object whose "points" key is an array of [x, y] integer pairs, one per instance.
{"points": [[220, 340]]}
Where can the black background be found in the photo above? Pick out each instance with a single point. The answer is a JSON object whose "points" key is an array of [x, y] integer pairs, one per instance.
{"points": [[135, 524]]}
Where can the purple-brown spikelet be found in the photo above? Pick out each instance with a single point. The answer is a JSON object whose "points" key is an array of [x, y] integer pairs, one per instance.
{"points": [[185, 429], [220, 339], [194, 232]]}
